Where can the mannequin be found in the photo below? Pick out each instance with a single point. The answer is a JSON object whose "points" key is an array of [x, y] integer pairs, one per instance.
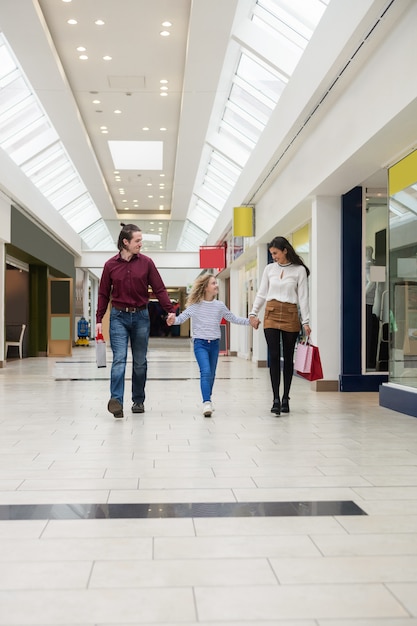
{"points": [[371, 320]]}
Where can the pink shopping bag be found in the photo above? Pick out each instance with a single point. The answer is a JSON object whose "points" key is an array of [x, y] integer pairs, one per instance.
{"points": [[303, 356]]}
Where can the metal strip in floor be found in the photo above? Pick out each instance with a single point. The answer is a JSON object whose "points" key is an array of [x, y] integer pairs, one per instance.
{"points": [[178, 510]]}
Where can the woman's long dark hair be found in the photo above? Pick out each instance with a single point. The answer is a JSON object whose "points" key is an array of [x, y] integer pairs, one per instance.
{"points": [[283, 244], [126, 233]]}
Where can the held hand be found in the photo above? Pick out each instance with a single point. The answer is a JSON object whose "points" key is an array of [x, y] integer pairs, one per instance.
{"points": [[170, 319], [254, 322], [307, 330]]}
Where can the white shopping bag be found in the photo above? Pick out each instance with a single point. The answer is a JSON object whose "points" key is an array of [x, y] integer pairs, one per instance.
{"points": [[100, 351]]}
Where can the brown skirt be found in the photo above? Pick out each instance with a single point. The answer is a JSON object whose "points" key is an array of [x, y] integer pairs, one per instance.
{"points": [[282, 315]]}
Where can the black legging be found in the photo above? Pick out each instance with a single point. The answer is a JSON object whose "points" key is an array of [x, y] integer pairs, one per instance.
{"points": [[273, 339]]}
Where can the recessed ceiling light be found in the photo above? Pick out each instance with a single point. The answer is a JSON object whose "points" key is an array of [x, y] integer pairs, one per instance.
{"points": [[163, 81], [149, 184], [103, 127], [124, 200], [72, 22], [83, 57], [163, 88], [161, 207], [81, 49], [105, 132], [162, 175], [164, 33], [145, 128], [161, 197], [96, 101], [162, 128], [117, 111], [107, 58], [150, 196], [163, 93], [66, 0], [99, 23], [166, 24]]}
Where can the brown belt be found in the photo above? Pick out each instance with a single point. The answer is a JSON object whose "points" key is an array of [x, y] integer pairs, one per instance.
{"points": [[131, 309]]}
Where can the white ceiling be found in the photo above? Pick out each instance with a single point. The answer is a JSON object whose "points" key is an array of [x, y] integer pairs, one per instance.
{"points": [[195, 59], [190, 59]]}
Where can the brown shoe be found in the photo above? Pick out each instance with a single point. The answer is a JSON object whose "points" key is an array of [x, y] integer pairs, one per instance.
{"points": [[115, 407]]}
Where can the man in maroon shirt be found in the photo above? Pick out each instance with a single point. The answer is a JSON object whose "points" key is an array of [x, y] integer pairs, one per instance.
{"points": [[126, 278]]}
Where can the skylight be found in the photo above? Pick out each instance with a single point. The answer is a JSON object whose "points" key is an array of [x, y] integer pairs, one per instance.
{"points": [[29, 139], [255, 88]]}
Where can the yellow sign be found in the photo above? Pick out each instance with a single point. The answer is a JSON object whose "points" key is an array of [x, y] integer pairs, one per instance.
{"points": [[243, 221]]}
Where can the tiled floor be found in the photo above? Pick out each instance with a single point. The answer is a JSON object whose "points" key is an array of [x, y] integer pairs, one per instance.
{"points": [[60, 446]]}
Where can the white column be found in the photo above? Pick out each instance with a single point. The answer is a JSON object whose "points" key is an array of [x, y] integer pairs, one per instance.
{"points": [[260, 352], [2, 300], [5, 235], [325, 286]]}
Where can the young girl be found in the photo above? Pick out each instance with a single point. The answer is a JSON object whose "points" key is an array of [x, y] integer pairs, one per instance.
{"points": [[206, 313]]}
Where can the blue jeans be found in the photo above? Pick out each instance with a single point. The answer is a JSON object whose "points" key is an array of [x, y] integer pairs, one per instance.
{"points": [[207, 353], [125, 326]]}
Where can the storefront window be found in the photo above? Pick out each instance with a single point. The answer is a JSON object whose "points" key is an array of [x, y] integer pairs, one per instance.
{"points": [[403, 271], [376, 313]]}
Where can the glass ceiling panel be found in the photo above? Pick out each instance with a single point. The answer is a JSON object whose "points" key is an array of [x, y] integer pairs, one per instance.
{"points": [[214, 186], [97, 237], [241, 144], [253, 103], [225, 169], [204, 215], [43, 165], [192, 237], [247, 129], [30, 140], [294, 19], [261, 77], [81, 213]]}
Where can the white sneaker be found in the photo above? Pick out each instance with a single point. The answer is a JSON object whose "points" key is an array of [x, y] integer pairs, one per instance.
{"points": [[207, 410]]}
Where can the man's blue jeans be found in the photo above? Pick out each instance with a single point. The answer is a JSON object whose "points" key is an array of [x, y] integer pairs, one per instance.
{"points": [[136, 327], [207, 353]]}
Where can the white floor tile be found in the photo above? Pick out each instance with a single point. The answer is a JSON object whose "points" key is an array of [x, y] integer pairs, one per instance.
{"points": [[62, 446]]}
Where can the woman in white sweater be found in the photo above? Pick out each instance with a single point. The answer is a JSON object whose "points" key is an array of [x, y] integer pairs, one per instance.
{"points": [[284, 289], [207, 313]]}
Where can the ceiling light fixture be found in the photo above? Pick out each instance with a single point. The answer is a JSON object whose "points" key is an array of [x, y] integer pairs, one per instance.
{"points": [[96, 101], [81, 49], [166, 24], [163, 93], [145, 128], [107, 58], [83, 57], [72, 22], [163, 81], [99, 23], [164, 33], [162, 128], [117, 111]]}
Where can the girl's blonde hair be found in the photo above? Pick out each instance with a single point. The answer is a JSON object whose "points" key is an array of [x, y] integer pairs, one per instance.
{"points": [[198, 289]]}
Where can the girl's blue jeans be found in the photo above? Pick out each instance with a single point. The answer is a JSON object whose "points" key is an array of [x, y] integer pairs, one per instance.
{"points": [[207, 353]]}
